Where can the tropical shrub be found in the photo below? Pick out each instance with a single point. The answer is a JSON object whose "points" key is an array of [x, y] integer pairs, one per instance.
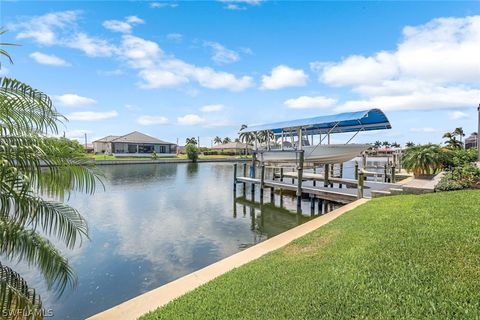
{"points": [[192, 151], [425, 159]]}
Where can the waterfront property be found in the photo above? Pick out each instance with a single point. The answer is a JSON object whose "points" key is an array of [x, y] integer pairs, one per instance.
{"points": [[232, 147], [133, 144]]}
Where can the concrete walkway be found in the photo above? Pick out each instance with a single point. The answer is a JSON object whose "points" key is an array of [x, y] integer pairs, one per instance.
{"points": [[417, 186], [136, 307]]}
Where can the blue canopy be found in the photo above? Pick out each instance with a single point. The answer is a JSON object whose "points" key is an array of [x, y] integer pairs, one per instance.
{"points": [[373, 119]]}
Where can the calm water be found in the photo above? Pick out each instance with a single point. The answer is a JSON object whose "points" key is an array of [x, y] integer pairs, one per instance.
{"points": [[155, 223]]}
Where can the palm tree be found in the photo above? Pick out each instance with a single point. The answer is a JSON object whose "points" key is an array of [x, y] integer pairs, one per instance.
{"points": [[191, 140], [377, 144], [246, 137], [217, 140], [395, 145], [459, 132], [452, 142], [386, 144], [424, 159], [227, 140], [36, 173], [409, 144]]}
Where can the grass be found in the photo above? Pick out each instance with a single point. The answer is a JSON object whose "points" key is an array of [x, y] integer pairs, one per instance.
{"points": [[180, 157], [406, 257]]}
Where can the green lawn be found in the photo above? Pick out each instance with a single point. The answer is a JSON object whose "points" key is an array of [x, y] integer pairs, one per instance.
{"points": [[403, 257]]}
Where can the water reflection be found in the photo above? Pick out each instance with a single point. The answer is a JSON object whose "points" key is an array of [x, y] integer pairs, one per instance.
{"points": [[157, 222]]}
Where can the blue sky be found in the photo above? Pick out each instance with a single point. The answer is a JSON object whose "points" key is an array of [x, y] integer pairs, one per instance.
{"points": [[179, 69]]}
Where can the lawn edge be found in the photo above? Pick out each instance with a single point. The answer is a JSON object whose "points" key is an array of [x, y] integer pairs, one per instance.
{"points": [[151, 300]]}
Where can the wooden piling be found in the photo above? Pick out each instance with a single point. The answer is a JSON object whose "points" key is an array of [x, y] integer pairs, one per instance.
{"points": [[326, 173], [356, 170], [385, 173], [361, 181], [234, 178], [245, 175], [392, 174], [262, 181], [281, 174], [314, 181], [300, 178], [341, 174]]}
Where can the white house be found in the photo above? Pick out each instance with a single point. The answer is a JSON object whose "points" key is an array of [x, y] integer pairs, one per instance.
{"points": [[133, 144]]}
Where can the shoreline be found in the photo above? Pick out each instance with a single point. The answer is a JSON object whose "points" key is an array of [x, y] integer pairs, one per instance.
{"points": [[148, 161]]}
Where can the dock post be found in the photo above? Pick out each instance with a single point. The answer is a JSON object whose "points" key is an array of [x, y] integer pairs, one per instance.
{"points": [[293, 179], [252, 174], [385, 174], [281, 174], [312, 202], [326, 172], [341, 174], [245, 175], [356, 170], [262, 181], [360, 185], [300, 178], [392, 175], [364, 161], [314, 172], [234, 179]]}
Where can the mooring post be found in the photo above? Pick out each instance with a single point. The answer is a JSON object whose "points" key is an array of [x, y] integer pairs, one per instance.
{"points": [[272, 195], [234, 179], [392, 175], [281, 174], [341, 174], [356, 170], [252, 167], [326, 172], [262, 181], [385, 174], [364, 161], [245, 175], [300, 178], [293, 179], [312, 202], [314, 172], [360, 185]]}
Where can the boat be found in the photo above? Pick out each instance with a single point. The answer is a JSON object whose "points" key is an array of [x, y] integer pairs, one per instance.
{"points": [[324, 153]]}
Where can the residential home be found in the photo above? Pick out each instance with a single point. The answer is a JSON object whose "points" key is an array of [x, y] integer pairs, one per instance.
{"points": [[471, 141], [134, 143]]}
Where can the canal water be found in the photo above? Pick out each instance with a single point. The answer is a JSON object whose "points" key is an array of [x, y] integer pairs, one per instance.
{"points": [[157, 222]]}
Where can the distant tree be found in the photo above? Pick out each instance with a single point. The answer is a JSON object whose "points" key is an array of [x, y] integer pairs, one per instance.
{"points": [[395, 145], [377, 144], [237, 140], [217, 140], [227, 140], [459, 133], [246, 137], [386, 144], [191, 140], [410, 144], [451, 140], [264, 136], [192, 151]]}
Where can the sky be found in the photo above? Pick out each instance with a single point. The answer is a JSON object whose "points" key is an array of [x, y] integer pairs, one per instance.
{"points": [[181, 69]]}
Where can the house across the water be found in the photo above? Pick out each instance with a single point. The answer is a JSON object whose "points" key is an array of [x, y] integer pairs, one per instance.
{"points": [[134, 144]]}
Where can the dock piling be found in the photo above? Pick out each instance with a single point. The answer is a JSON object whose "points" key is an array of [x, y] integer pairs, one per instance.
{"points": [[326, 175], [234, 178], [356, 170], [300, 178], [262, 181], [281, 174], [361, 182], [392, 175]]}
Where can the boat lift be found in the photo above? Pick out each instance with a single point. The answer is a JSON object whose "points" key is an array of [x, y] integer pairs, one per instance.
{"points": [[355, 122]]}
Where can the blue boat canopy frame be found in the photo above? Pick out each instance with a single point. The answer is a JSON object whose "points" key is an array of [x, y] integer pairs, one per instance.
{"points": [[373, 119]]}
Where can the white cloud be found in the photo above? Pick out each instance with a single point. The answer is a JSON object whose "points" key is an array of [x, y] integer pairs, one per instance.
{"points": [[222, 55], [122, 26], [74, 100], [304, 102], [190, 120], [240, 4], [424, 130], [159, 5], [93, 47], [92, 115], [212, 108], [283, 76], [455, 115], [43, 29], [77, 134], [158, 70], [117, 26], [423, 98], [177, 37], [48, 59], [151, 120], [435, 65]]}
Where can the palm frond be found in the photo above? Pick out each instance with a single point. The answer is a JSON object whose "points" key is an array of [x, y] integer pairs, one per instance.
{"points": [[16, 298], [26, 245]]}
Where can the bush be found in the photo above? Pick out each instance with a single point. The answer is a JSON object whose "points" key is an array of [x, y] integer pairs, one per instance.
{"points": [[154, 155], [448, 183], [192, 152], [461, 177], [425, 159]]}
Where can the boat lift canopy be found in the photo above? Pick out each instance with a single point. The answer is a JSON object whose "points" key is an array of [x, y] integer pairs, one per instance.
{"points": [[373, 119]]}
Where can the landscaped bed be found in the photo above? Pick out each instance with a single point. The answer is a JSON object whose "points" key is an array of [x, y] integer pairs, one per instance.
{"points": [[409, 257]]}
